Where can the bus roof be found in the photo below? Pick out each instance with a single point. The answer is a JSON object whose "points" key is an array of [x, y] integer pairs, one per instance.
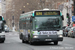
{"points": [[31, 13], [26, 14]]}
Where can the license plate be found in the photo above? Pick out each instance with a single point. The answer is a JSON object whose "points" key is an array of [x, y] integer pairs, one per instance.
{"points": [[48, 32], [48, 39]]}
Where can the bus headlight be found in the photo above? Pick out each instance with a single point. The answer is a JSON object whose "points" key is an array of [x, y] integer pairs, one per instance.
{"points": [[35, 33], [60, 36], [35, 36], [2, 36], [60, 32], [3, 32]]}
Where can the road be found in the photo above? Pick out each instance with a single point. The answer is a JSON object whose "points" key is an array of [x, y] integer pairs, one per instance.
{"points": [[14, 43]]}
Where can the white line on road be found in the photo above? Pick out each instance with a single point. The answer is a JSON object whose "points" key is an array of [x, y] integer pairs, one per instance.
{"points": [[68, 44]]}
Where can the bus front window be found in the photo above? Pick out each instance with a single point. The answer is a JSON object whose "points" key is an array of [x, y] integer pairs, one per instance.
{"points": [[47, 23]]}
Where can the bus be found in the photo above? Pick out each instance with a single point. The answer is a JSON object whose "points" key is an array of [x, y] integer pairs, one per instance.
{"points": [[2, 30], [41, 26]]}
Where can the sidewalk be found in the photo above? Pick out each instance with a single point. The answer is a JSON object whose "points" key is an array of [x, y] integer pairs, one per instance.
{"points": [[15, 32]]}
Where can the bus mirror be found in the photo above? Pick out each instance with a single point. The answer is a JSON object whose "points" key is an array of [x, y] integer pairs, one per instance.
{"points": [[31, 20], [4, 21], [62, 17]]}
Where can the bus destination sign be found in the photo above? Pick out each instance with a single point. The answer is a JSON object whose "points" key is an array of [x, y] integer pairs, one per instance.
{"points": [[38, 13]]}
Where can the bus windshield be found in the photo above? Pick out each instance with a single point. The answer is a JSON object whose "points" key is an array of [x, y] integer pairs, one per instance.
{"points": [[47, 23]]}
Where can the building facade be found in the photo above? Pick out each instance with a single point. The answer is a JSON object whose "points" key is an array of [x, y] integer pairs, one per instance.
{"points": [[0, 8], [6, 8]]}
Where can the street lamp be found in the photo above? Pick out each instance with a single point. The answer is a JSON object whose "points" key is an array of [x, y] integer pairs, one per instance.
{"points": [[24, 6], [23, 11], [27, 3], [20, 9]]}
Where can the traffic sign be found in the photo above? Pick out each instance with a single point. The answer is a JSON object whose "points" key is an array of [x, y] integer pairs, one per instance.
{"points": [[73, 25], [73, 18]]}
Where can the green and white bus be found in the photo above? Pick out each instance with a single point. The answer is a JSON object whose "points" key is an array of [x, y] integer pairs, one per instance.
{"points": [[41, 26]]}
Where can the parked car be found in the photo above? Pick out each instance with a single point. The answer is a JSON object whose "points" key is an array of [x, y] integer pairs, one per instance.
{"points": [[66, 30], [71, 33], [6, 28], [10, 30]]}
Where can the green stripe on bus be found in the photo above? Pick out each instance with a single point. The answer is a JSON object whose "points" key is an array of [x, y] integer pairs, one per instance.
{"points": [[60, 14]]}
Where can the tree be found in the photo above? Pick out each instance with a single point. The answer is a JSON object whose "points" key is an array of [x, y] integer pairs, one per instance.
{"points": [[27, 5]]}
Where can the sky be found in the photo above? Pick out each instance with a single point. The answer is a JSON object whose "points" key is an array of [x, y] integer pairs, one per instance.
{"points": [[0, 0]]}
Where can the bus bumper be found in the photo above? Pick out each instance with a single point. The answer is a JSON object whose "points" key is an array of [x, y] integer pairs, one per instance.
{"points": [[47, 39]]}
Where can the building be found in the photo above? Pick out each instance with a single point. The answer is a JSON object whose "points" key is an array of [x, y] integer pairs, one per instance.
{"points": [[65, 8], [3, 6], [51, 4], [0, 8], [6, 10]]}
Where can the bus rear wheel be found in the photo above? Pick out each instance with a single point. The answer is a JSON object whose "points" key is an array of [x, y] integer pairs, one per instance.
{"points": [[56, 43], [23, 41]]}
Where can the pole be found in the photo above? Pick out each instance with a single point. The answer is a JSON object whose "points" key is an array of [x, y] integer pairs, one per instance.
{"points": [[70, 8], [70, 12], [13, 18]]}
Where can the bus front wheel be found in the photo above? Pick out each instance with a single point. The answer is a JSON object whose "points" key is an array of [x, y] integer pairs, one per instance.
{"points": [[30, 42], [23, 41], [56, 43]]}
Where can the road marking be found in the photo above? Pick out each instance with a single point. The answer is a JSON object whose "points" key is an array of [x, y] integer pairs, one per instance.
{"points": [[11, 34], [69, 45], [8, 42], [69, 38], [65, 44]]}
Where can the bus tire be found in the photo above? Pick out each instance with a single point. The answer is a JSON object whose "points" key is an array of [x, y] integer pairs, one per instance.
{"points": [[23, 41], [30, 42], [56, 43], [2, 41], [20, 36]]}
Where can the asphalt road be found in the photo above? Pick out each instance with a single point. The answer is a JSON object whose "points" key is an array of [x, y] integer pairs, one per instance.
{"points": [[14, 43]]}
